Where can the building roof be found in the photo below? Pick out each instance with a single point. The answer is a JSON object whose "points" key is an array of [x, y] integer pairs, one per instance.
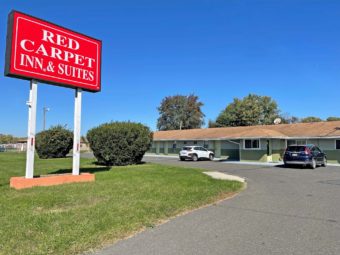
{"points": [[329, 129]]}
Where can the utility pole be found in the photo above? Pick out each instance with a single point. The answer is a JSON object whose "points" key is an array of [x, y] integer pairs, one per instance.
{"points": [[45, 110]]}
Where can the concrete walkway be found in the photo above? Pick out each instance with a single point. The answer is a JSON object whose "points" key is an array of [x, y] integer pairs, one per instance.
{"points": [[283, 211], [223, 176]]}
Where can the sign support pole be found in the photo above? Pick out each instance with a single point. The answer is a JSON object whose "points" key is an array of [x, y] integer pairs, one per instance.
{"points": [[32, 115], [76, 136]]}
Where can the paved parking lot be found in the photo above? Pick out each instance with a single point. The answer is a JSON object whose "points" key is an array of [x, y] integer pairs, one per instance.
{"points": [[283, 211]]}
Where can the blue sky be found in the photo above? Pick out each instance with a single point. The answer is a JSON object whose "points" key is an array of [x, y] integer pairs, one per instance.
{"points": [[218, 50]]}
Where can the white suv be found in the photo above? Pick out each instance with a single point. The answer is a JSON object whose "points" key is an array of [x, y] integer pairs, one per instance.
{"points": [[195, 153]]}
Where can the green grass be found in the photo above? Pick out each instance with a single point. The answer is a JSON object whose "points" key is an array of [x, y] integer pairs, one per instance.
{"points": [[73, 218]]}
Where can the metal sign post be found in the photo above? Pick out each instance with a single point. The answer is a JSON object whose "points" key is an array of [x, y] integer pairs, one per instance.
{"points": [[77, 128], [32, 114]]}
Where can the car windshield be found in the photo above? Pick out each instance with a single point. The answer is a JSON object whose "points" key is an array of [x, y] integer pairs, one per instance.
{"points": [[187, 148], [296, 148]]}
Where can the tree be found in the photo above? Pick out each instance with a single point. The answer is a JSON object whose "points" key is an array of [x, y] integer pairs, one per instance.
{"points": [[212, 124], [288, 119], [7, 139], [251, 110], [333, 118], [180, 112], [294, 120], [310, 119]]}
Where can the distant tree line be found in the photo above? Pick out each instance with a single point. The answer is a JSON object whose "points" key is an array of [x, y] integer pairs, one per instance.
{"points": [[184, 112], [7, 139]]}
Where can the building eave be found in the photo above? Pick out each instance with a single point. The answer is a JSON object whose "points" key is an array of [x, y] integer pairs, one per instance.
{"points": [[248, 137]]}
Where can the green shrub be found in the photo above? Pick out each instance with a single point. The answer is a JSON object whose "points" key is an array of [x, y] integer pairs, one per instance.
{"points": [[119, 143], [55, 142]]}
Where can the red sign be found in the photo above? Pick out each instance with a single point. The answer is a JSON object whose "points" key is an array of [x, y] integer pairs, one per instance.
{"points": [[40, 50]]}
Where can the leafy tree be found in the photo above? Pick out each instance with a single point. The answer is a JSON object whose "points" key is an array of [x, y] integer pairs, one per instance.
{"points": [[7, 139], [180, 112], [251, 110], [212, 124], [333, 118], [311, 119], [288, 119], [294, 119]]}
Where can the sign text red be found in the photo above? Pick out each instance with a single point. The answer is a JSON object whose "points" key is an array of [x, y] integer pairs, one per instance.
{"points": [[43, 51]]}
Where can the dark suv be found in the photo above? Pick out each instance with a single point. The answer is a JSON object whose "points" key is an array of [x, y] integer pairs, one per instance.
{"points": [[304, 155]]}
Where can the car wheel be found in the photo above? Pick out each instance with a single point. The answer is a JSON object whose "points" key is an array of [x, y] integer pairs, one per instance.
{"points": [[324, 163], [182, 159], [211, 157], [313, 165], [194, 157]]}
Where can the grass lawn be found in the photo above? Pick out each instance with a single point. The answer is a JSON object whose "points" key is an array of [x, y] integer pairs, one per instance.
{"points": [[73, 218]]}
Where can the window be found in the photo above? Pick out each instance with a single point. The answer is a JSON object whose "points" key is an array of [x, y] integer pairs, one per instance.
{"points": [[297, 148], [185, 142], [252, 144], [174, 145], [200, 149], [296, 142], [314, 151], [206, 144], [187, 148], [337, 144], [195, 142], [247, 144]]}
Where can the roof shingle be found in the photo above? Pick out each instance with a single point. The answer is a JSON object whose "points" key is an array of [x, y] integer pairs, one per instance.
{"points": [[308, 130]]}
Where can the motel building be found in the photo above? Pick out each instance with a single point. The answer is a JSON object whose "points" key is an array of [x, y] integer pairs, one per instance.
{"points": [[252, 143]]}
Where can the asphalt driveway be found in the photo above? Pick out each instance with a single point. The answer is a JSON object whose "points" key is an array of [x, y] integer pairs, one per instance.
{"points": [[283, 211]]}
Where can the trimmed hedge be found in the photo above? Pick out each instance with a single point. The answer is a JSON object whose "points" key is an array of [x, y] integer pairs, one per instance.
{"points": [[119, 143], [55, 142]]}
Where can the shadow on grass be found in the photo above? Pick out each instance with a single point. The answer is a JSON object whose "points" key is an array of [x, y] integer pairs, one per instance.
{"points": [[90, 170], [139, 163]]}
